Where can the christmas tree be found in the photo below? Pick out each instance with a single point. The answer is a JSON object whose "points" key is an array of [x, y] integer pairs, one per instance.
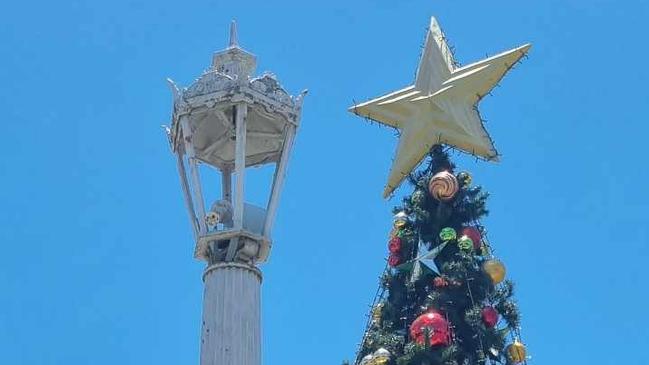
{"points": [[443, 297]]}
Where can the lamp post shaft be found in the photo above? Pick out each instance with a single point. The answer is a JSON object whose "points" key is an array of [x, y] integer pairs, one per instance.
{"points": [[231, 327]]}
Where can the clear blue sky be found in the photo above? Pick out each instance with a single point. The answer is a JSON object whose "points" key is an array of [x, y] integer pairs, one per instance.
{"points": [[97, 268]]}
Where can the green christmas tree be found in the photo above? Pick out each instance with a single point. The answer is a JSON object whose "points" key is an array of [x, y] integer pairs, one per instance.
{"points": [[443, 297]]}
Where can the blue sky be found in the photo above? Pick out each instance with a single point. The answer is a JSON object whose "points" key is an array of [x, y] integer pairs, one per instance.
{"points": [[97, 264]]}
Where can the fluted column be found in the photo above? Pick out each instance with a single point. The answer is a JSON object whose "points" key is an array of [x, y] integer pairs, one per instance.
{"points": [[231, 328]]}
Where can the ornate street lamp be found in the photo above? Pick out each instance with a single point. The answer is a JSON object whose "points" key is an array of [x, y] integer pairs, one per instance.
{"points": [[229, 121]]}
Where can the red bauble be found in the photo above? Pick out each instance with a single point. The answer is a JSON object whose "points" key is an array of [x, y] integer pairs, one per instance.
{"points": [[393, 260], [489, 316], [395, 245], [474, 235], [440, 282], [435, 324]]}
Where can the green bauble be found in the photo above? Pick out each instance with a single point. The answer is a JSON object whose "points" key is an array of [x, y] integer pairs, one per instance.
{"points": [[465, 244], [447, 234], [464, 178]]}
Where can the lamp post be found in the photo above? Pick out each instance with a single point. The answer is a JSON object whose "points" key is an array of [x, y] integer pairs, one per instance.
{"points": [[228, 121]]}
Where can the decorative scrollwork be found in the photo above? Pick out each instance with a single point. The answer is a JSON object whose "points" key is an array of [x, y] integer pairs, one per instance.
{"points": [[268, 85], [211, 81]]}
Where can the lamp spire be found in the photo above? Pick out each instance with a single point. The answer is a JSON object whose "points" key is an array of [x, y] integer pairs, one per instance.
{"points": [[234, 39]]}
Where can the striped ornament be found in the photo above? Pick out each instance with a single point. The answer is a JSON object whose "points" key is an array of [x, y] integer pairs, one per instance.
{"points": [[443, 186]]}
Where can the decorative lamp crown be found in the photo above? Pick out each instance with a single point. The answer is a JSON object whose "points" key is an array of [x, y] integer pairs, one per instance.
{"points": [[224, 122], [234, 61]]}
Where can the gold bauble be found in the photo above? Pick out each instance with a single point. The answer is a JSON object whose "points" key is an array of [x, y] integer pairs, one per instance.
{"points": [[380, 357], [400, 220], [495, 269], [377, 313], [516, 352], [380, 361]]}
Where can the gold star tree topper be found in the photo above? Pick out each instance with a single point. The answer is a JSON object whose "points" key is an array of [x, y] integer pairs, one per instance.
{"points": [[441, 106]]}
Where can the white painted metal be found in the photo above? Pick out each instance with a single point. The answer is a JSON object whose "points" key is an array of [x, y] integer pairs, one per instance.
{"points": [[195, 176], [229, 120], [196, 182], [240, 163], [187, 194], [240, 171], [226, 184], [234, 39], [231, 331], [278, 180]]}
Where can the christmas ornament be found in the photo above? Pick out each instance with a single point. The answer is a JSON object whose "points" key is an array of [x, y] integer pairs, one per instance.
{"points": [[465, 244], [381, 357], [447, 234], [441, 106], [394, 246], [377, 314], [443, 186], [367, 360], [516, 352], [440, 282], [417, 197], [433, 325], [489, 316], [474, 234], [400, 220], [393, 260], [464, 178], [495, 269], [425, 260]]}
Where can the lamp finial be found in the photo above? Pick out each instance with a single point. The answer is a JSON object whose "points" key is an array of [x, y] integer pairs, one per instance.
{"points": [[234, 41]]}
